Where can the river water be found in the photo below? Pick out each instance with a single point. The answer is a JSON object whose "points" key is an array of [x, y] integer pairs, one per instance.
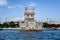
{"points": [[19, 35]]}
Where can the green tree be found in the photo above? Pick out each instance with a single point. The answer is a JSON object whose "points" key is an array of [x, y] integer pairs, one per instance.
{"points": [[5, 25], [12, 24], [0, 25], [57, 25], [45, 24], [17, 25]]}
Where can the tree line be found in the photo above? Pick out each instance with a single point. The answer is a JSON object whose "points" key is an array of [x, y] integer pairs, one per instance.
{"points": [[15, 25], [9, 24], [46, 25]]}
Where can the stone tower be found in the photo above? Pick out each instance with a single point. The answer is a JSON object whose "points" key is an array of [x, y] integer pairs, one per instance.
{"points": [[29, 14], [29, 17]]}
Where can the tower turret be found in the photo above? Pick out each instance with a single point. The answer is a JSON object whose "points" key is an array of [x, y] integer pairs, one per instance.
{"points": [[29, 14]]}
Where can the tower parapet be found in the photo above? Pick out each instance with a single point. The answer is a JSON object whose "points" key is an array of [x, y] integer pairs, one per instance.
{"points": [[29, 10]]}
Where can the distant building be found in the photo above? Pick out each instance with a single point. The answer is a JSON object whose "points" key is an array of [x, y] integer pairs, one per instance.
{"points": [[54, 22]]}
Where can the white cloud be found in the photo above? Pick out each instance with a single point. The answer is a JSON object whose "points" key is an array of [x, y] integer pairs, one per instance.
{"points": [[3, 2], [11, 6], [18, 5], [17, 19], [32, 4], [14, 6], [22, 19]]}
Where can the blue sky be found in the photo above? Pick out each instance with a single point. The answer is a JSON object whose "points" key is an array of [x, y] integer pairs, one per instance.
{"points": [[14, 9]]}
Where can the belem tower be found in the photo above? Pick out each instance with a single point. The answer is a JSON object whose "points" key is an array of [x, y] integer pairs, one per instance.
{"points": [[29, 22]]}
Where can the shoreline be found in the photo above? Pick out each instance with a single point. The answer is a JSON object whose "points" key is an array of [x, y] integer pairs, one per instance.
{"points": [[29, 29], [20, 29]]}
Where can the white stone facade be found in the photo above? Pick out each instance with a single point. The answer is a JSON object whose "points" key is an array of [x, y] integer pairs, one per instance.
{"points": [[29, 20]]}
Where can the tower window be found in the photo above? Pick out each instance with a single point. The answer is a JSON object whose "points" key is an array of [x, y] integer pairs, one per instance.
{"points": [[26, 25], [31, 15], [22, 21], [27, 15]]}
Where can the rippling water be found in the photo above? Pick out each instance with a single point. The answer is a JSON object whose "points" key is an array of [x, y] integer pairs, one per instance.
{"points": [[18, 35]]}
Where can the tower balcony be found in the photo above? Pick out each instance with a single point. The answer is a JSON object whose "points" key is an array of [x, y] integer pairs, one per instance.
{"points": [[29, 17], [29, 13]]}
